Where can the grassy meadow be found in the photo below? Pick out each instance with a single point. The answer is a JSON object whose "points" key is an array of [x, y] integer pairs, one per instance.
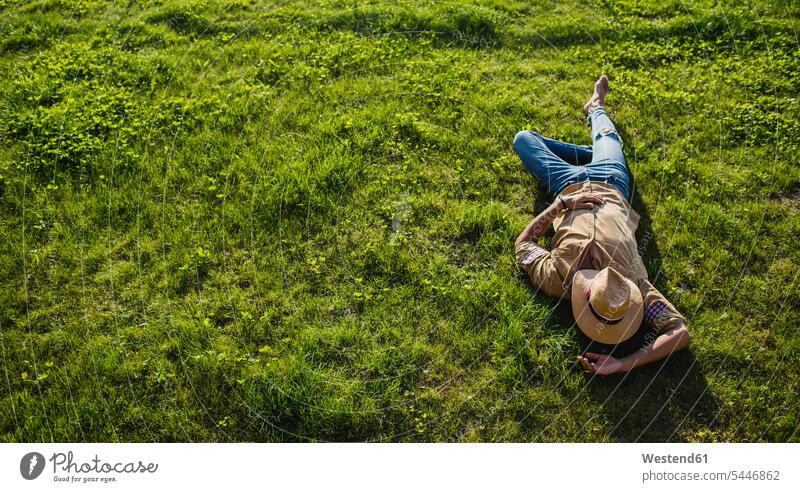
{"points": [[294, 220]]}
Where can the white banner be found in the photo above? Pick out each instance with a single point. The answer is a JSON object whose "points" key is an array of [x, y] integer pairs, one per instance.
{"points": [[378, 467]]}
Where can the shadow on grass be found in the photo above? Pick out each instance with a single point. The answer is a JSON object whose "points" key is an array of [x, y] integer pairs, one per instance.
{"points": [[665, 401]]}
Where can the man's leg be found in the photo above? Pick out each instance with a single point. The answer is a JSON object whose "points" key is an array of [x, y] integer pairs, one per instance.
{"points": [[606, 142], [553, 172], [608, 162], [577, 155]]}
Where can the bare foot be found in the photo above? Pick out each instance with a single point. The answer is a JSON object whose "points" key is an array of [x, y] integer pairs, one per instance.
{"points": [[599, 96]]}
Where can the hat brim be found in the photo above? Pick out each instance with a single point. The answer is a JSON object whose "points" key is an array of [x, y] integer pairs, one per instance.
{"points": [[593, 327]]}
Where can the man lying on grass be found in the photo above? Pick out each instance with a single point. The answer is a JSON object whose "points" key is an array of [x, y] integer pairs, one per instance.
{"points": [[594, 255]]}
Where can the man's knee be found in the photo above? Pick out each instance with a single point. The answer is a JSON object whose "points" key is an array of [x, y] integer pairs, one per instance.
{"points": [[608, 131], [525, 138]]}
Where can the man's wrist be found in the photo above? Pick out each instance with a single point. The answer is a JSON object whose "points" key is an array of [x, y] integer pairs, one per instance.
{"points": [[560, 200], [553, 210], [627, 363]]}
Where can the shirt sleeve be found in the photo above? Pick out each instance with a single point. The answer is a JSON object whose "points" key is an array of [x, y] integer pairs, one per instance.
{"points": [[659, 313], [540, 267]]}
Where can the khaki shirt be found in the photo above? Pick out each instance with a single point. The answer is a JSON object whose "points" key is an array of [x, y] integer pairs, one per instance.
{"points": [[607, 235]]}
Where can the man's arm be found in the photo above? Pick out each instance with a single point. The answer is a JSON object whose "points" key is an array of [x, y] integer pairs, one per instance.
{"points": [[534, 231], [665, 345], [539, 224]]}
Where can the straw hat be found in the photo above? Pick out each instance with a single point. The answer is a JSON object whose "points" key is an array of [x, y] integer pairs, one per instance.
{"points": [[608, 307]]}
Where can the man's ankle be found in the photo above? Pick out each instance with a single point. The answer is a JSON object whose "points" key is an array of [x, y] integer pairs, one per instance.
{"points": [[592, 106]]}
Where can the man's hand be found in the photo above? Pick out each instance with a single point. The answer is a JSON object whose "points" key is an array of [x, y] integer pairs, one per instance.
{"points": [[584, 200], [536, 228], [600, 364]]}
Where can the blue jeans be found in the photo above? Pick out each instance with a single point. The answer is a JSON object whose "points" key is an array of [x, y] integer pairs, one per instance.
{"points": [[558, 164]]}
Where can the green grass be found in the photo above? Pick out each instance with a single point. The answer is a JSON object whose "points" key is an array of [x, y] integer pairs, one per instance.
{"points": [[289, 221]]}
